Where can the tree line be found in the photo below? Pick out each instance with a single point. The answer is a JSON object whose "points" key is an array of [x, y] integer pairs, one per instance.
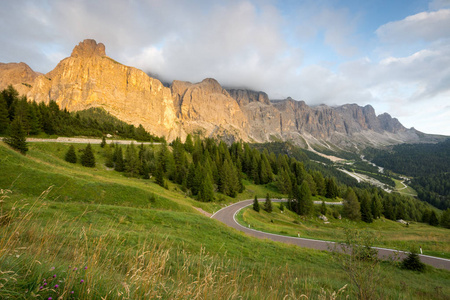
{"points": [[34, 119], [428, 164], [206, 168]]}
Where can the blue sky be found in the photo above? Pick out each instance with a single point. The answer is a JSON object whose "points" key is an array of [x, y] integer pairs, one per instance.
{"points": [[394, 55]]}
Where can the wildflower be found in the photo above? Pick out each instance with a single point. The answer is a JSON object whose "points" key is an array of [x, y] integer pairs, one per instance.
{"points": [[52, 268], [54, 276], [41, 287], [75, 269], [72, 292], [85, 268], [45, 283], [81, 281], [44, 280], [49, 298], [56, 286]]}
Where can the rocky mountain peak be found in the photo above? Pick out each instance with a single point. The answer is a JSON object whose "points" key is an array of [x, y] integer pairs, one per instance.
{"points": [[88, 48], [90, 79]]}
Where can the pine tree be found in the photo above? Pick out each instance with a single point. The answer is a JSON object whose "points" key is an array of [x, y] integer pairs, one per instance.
{"points": [[16, 136], [71, 156], [323, 208], [4, 120], [119, 164], [266, 174], [305, 202], [311, 184], [445, 218], [268, 204], [206, 193], [159, 175], [332, 190], [434, 221], [351, 205], [103, 143], [412, 262], [88, 158], [132, 162], [34, 119], [109, 157], [256, 204], [376, 206], [283, 182], [188, 144], [366, 213], [320, 183]]}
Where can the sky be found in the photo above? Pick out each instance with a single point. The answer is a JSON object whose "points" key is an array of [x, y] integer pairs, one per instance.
{"points": [[391, 54]]}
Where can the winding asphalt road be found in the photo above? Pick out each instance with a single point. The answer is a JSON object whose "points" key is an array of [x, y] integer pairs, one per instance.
{"points": [[228, 214]]}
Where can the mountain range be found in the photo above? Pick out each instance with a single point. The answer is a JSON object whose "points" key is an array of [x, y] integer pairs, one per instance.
{"points": [[89, 78]]}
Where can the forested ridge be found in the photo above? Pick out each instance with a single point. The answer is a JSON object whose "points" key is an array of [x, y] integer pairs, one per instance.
{"points": [[428, 164], [49, 119], [209, 170]]}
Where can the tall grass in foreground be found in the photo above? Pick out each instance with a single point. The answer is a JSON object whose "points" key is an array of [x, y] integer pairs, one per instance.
{"points": [[62, 259]]}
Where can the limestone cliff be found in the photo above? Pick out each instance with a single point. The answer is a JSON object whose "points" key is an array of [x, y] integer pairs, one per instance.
{"points": [[89, 78], [19, 75], [208, 108]]}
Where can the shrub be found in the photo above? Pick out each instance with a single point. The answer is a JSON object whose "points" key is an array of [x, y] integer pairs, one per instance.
{"points": [[412, 262]]}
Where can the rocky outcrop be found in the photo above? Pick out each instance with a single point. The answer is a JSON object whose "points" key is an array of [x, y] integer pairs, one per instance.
{"points": [[208, 107], [19, 75], [244, 97], [89, 78]]}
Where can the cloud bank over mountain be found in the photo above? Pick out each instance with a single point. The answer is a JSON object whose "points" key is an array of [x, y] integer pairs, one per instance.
{"points": [[395, 56]]}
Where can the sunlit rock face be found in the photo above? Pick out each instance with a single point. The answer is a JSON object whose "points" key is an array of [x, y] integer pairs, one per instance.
{"points": [[89, 78]]}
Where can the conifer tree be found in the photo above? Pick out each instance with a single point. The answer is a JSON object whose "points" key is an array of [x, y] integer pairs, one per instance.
{"points": [[311, 183], [266, 170], [366, 212], [377, 207], [109, 156], [434, 221], [71, 156], [323, 208], [119, 164], [256, 204], [103, 143], [351, 205], [305, 203], [16, 136], [188, 144], [320, 183], [4, 120], [268, 204], [88, 158], [445, 218], [10, 95], [159, 175], [34, 119], [206, 193], [332, 190], [283, 181], [132, 162]]}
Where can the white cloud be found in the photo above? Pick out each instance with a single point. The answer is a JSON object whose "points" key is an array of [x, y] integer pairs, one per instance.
{"points": [[252, 44], [424, 26]]}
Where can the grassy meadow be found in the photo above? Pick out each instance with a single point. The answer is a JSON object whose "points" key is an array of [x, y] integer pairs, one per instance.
{"points": [[70, 232], [434, 241]]}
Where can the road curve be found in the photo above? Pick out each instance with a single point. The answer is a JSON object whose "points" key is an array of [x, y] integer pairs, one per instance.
{"points": [[227, 215]]}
